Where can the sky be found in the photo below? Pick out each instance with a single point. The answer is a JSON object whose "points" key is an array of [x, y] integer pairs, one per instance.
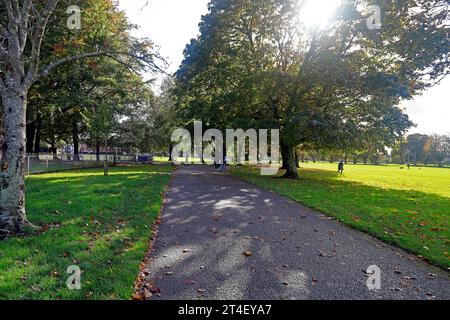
{"points": [[171, 24]]}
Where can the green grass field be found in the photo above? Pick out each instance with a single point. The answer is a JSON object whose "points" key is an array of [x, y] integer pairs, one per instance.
{"points": [[102, 224], [409, 208]]}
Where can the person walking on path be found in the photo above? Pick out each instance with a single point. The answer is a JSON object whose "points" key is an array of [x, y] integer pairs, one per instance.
{"points": [[341, 167], [224, 164]]}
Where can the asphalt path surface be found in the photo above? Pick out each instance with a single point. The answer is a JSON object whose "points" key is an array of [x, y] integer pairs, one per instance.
{"points": [[224, 239]]}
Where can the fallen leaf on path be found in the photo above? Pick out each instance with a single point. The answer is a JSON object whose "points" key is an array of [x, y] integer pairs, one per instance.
{"points": [[147, 294], [154, 289], [138, 297], [247, 253]]}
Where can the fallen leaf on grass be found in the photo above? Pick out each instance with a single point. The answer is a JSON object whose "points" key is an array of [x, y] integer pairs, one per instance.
{"points": [[147, 294], [54, 274]]}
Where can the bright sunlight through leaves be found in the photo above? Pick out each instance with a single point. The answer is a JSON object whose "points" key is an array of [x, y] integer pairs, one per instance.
{"points": [[317, 13]]}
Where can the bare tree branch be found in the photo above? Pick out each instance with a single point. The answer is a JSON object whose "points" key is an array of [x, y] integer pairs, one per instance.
{"points": [[4, 27], [25, 17], [2, 86], [37, 41], [9, 10], [81, 56], [3, 54], [15, 8], [128, 66]]}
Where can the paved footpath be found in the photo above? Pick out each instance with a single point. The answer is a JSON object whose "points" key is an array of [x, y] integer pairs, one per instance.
{"points": [[222, 238]]}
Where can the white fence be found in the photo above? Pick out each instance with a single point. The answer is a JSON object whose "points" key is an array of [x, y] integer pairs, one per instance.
{"points": [[47, 163]]}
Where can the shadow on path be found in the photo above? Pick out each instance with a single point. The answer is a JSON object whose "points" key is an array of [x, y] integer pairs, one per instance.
{"points": [[222, 238]]}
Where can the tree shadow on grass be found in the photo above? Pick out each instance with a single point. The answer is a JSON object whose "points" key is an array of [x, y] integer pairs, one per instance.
{"points": [[413, 220], [221, 238], [101, 224]]}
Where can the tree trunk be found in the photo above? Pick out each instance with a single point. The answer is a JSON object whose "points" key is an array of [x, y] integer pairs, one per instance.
{"points": [[37, 138], [97, 151], [170, 153], [105, 163], [284, 157], [288, 155], [355, 160], [13, 218], [31, 132], [54, 150], [76, 141], [297, 159]]}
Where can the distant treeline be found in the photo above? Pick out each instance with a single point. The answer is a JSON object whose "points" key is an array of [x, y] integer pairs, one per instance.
{"points": [[415, 149]]}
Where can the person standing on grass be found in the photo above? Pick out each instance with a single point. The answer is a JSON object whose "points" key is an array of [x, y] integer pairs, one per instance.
{"points": [[341, 167]]}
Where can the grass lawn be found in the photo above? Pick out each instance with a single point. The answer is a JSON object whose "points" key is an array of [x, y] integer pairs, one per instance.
{"points": [[101, 224], [409, 208]]}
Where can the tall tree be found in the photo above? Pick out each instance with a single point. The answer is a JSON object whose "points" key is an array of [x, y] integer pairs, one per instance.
{"points": [[254, 66], [23, 26]]}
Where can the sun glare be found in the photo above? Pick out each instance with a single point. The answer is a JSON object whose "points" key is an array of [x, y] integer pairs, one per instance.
{"points": [[317, 13]]}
